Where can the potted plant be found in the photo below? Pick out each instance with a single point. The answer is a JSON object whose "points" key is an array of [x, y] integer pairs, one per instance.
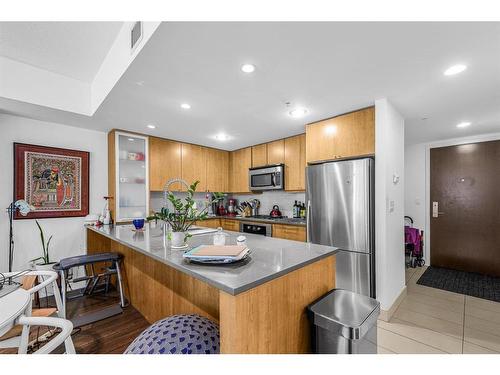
{"points": [[43, 262], [182, 217]]}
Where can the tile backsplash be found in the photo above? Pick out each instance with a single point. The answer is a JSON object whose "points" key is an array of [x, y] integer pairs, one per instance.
{"points": [[267, 200], [157, 200]]}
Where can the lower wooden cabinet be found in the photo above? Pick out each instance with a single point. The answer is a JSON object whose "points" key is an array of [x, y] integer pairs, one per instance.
{"points": [[226, 224], [209, 223], [287, 232], [290, 232], [230, 224]]}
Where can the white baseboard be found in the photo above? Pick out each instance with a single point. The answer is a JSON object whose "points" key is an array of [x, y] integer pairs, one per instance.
{"points": [[386, 315]]}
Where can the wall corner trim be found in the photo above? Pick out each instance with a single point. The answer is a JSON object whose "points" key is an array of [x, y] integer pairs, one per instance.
{"points": [[386, 315]]}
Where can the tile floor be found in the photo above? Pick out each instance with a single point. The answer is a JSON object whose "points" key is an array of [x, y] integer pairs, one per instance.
{"points": [[436, 321]]}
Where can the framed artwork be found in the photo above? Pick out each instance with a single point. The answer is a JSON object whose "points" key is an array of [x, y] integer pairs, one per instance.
{"points": [[55, 181]]}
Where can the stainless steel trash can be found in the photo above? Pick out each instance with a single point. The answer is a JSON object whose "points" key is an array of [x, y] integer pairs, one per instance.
{"points": [[344, 322]]}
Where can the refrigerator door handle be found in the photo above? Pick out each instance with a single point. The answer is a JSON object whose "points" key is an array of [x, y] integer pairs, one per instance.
{"points": [[308, 226]]}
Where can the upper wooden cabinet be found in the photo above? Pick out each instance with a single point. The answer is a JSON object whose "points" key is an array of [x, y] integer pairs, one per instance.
{"points": [[276, 152], [295, 162], [239, 163], [194, 165], [349, 135], [217, 170], [268, 153], [164, 163], [259, 155], [171, 159]]}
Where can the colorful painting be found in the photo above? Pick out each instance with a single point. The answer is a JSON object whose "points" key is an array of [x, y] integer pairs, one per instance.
{"points": [[53, 180]]}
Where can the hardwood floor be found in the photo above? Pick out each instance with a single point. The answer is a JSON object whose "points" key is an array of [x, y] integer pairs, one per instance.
{"points": [[108, 336]]}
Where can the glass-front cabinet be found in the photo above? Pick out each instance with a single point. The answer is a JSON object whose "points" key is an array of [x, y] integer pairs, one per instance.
{"points": [[132, 177]]}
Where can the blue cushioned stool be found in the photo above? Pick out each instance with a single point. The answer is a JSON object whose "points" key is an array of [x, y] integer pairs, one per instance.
{"points": [[178, 334]]}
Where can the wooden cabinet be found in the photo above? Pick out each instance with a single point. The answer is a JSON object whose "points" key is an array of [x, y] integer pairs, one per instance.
{"points": [[217, 170], [349, 135], [209, 223], [194, 163], [259, 155], [230, 224], [268, 153], [239, 162], [171, 159], [295, 163], [276, 152], [290, 232], [164, 164]]}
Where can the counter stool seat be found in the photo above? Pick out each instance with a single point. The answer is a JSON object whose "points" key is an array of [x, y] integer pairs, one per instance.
{"points": [[178, 334]]}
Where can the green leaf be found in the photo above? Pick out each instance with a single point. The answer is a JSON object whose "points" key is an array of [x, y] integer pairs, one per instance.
{"points": [[41, 235], [47, 250]]}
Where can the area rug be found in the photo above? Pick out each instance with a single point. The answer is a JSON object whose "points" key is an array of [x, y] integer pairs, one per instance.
{"points": [[469, 283]]}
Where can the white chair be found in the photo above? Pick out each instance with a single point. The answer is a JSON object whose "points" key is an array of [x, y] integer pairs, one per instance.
{"points": [[63, 337], [12, 338]]}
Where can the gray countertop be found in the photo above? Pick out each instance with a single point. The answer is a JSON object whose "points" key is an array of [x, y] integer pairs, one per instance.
{"points": [[270, 257]]}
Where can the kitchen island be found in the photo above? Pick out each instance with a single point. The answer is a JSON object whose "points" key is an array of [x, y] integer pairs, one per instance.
{"points": [[260, 303]]}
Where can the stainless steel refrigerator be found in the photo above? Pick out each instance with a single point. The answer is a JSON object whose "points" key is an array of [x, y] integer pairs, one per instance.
{"points": [[340, 213]]}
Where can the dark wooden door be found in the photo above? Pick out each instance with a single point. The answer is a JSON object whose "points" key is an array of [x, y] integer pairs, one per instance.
{"points": [[465, 182]]}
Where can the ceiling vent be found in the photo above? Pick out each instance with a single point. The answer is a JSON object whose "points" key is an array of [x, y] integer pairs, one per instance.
{"points": [[135, 35]]}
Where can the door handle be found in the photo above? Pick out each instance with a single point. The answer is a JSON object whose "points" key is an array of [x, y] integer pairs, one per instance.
{"points": [[308, 214], [435, 210]]}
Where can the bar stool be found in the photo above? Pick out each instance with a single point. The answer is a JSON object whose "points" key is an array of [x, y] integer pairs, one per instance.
{"points": [[178, 334]]}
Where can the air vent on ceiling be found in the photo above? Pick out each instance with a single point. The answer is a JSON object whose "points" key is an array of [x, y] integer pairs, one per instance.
{"points": [[135, 35]]}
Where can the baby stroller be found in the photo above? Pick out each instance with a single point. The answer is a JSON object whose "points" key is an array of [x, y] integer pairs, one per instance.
{"points": [[414, 244]]}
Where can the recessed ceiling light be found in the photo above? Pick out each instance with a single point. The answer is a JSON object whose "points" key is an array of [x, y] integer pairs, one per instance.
{"points": [[298, 112], [455, 69], [463, 124], [248, 68], [131, 139], [185, 106], [151, 126], [221, 137]]}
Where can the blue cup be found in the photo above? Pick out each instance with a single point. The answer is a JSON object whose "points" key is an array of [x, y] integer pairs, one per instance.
{"points": [[138, 223]]}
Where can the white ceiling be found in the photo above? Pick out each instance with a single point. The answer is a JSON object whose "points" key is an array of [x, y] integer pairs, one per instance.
{"points": [[73, 49], [330, 68]]}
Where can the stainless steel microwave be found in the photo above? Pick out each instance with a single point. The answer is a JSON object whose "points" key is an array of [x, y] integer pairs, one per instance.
{"points": [[270, 177]]}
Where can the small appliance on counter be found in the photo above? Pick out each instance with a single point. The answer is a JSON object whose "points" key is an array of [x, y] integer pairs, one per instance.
{"points": [[276, 211], [221, 210]]}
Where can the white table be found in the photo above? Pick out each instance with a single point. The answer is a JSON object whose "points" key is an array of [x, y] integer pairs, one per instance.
{"points": [[12, 306]]}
